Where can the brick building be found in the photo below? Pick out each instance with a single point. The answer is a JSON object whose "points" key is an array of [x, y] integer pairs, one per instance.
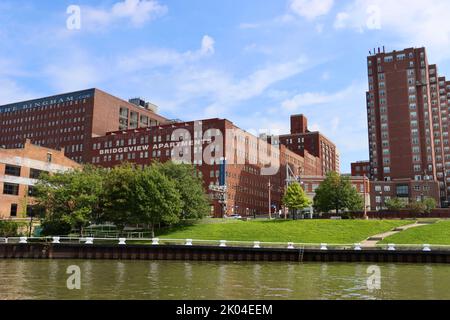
{"points": [[361, 169], [205, 144], [19, 171], [95, 127], [70, 120], [360, 183], [405, 189], [304, 142], [407, 106]]}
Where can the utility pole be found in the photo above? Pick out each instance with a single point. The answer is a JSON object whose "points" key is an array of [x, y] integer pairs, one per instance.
{"points": [[366, 217], [270, 200]]}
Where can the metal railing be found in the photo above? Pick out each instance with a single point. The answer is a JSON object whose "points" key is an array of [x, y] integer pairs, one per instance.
{"points": [[220, 243]]}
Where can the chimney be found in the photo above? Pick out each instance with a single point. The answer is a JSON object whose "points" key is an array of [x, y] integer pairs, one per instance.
{"points": [[299, 124]]}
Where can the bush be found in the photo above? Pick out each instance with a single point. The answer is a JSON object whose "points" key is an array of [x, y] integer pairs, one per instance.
{"points": [[9, 229], [55, 228]]}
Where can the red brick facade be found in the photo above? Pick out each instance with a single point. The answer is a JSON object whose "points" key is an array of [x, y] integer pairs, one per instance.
{"points": [[361, 169], [92, 126], [247, 185], [304, 142], [70, 120], [19, 169], [407, 106]]}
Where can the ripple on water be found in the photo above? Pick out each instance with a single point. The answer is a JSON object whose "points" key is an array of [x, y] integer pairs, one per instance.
{"points": [[42, 279]]}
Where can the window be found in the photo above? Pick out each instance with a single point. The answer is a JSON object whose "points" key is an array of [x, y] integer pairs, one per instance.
{"points": [[12, 171], [13, 212], [402, 191], [133, 120], [144, 121], [31, 191], [11, 189], [123, 118], [35, 173]]}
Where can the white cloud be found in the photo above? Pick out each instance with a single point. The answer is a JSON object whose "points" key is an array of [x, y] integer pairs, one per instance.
{"points": [[149, 58], [311, 9], [338, 115], [247, 25], [137, 11], [214, 91], [12, 92], [207, 45], [415, 22], [77, 70], [309, 99], [227, 92]]}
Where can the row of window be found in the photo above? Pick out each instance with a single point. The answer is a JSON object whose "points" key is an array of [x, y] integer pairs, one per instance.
{"points": [[15, 171]]}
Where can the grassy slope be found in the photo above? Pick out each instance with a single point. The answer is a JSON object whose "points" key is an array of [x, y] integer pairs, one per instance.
{"points": [[306, 231], [438, 233]]}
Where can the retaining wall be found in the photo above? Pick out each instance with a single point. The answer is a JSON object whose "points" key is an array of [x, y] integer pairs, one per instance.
{"points": [[199, 253]]}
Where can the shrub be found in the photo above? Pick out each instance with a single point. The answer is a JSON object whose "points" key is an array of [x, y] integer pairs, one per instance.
{"points": [[9, 229]]}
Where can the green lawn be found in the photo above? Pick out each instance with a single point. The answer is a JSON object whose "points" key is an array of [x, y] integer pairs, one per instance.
{"points": [[438, 234], [304, 231]]}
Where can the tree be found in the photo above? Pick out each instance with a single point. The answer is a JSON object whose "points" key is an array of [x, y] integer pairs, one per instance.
{"points": [[195, 203], [395, 204], [295, 198], [424, 206], [9, 229], [156, 198], [118, 200], [72, 197], [430, 204], [337, 193], [417, 207]]}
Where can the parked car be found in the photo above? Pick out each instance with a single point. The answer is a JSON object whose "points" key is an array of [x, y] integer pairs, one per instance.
{"points": [[234, 216]]}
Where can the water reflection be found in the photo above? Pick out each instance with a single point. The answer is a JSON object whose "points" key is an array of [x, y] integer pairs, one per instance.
{"points": [[31, 279]]}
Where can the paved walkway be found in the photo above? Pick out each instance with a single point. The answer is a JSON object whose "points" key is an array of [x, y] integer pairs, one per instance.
{"points": [[373, 241]]}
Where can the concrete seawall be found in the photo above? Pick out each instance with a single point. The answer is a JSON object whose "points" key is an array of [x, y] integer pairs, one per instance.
{"points": [[202, 253]]}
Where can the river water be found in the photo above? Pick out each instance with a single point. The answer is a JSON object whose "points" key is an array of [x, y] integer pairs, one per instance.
{"points": [[47, 279]]}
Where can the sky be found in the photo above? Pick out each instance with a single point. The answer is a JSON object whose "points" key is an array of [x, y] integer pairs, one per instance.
{"points": [[253, 62]]}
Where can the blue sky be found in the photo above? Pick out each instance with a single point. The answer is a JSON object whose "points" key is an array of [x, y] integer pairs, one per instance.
{"points": [[251, 61]]}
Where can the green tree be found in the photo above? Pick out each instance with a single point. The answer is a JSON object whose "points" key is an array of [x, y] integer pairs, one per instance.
{"points": [[9, 229], [72, 197], [337, 193], [156, 199], [430, 204], [195, 202], [295, 198], [118, 200], [426, 205], [395, 204], [417, 207]]}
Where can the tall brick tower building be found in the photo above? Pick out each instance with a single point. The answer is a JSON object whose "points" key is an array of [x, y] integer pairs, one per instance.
{"points": [[407, 107]]}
